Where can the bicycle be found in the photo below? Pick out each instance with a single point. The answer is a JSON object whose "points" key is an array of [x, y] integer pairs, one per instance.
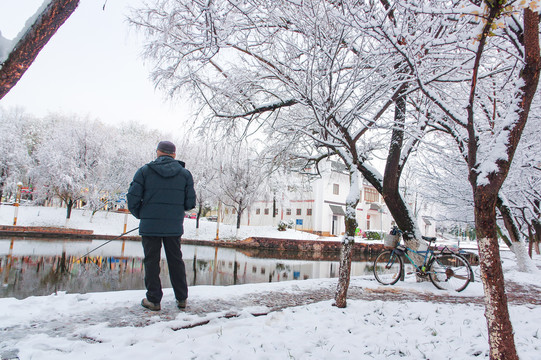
{"points": [[446, 269]]}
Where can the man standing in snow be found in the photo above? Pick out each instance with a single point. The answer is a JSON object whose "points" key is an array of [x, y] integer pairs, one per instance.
{"points": [[159, 194]]}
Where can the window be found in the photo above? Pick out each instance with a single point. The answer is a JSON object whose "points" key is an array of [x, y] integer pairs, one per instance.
{"points": [[299, 211], [371, 195], [288, 211], [257, 211], [267, 211], [276, 212], [335, 189], [309, 212]]}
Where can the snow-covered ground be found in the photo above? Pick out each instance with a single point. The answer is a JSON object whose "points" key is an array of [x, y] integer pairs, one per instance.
{"points": [[112, 223], [113, 324]]}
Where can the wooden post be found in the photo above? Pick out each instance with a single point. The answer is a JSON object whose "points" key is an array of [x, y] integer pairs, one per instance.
{"points": [[17, 201]]}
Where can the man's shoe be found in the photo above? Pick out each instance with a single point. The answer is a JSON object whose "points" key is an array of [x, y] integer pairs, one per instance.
{"points": [[150, 305], [181, 304]]}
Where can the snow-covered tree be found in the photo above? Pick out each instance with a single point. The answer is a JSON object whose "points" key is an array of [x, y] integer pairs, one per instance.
{"points": [[478, 63], [15, 161], [133, 146], [521, 192], [71, 160], [240, 177], [434, 179], [441, 181], [298, 70], [203, 161]]}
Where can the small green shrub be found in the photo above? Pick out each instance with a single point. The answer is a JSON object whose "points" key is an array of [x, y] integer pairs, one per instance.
{"points": [[372, 235]]}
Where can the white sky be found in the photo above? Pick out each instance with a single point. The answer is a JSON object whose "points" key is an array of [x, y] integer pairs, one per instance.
{"points": [[91, 66]]}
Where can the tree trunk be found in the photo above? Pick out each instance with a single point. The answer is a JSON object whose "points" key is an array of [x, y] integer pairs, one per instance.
{"points": [[500, 331], [274, 223], [508, 220], [199, 211], [239, 215], [537, 227], [517, 245], [399, 209], [393, 171], [69, 206], [344, 273], [504, 237], [27, 49], [349, 238], [537, 237], [2, 183]]}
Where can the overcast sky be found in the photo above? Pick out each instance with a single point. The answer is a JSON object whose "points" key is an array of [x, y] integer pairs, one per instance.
{"points": [[92, 66]]}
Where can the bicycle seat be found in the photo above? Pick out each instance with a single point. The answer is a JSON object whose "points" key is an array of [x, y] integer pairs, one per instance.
{"points": [[429, 239]]}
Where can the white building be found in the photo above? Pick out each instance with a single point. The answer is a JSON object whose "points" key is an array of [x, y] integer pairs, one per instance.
{"points": [[321, 208]]}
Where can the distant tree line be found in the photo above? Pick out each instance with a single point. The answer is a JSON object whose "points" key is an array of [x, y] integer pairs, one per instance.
{"points": [[74, 159]]}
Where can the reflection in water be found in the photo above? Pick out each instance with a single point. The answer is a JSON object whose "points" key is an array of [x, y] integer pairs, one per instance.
{"points": [[26, 275]]}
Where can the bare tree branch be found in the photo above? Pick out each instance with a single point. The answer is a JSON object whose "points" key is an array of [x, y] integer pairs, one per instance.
{"points": [[27, 49]]}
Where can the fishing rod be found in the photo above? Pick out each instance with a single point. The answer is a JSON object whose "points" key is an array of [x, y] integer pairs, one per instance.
{"points": [[107, 242]]}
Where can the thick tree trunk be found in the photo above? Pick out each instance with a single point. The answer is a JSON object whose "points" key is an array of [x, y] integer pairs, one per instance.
{"points": [[402, 215], [348, 240], [27, 49], [500, 331], [388, 187], [393, 170]]}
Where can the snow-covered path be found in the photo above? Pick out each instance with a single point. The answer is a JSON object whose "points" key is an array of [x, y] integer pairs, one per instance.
{"points": [[89, 325]]}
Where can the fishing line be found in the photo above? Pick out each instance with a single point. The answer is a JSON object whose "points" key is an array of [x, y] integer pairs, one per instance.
{"points": [[107, 242]]}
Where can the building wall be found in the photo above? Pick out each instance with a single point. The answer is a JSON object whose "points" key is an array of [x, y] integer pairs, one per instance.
{"points": [[318, 200]]}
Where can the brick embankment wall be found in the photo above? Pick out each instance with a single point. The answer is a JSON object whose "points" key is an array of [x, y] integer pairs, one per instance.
{"points": [[274, 248], [56, 232], [314, 246], [41, 231]]}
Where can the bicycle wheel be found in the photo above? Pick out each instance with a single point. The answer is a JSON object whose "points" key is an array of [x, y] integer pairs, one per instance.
{"points": [[388, 267], [450, 272]]}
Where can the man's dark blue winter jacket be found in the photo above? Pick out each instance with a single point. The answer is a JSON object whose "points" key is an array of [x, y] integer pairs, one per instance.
{"points": [[159, 194]]}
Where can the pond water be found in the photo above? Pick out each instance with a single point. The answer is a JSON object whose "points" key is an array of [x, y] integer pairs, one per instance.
{"points": [[43, 267]]}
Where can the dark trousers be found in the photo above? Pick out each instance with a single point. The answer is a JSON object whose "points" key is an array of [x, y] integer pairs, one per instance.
{"points": [[152, 246]]}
